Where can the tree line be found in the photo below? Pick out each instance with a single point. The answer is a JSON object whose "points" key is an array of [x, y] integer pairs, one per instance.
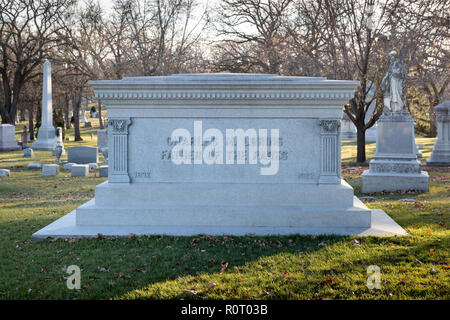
{"points": [[337, 39]]}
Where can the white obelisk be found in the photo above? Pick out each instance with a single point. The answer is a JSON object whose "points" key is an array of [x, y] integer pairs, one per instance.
{"points": [[46, 133]]}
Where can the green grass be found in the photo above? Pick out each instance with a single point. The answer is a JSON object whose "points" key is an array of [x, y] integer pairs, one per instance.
{"points": [[205, 267]]}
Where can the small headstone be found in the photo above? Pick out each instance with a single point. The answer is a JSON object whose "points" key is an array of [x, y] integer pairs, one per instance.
{"points": [[28, 153], [7, 138], [24, 137], [50, 170], [34, 166], [103, 171], [92, 166], [4, 173], [68, 166], [80, 170], [83, 154]]}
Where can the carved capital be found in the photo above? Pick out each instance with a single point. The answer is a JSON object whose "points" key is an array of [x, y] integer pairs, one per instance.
{"points": [[119, 126], [329, 126]]}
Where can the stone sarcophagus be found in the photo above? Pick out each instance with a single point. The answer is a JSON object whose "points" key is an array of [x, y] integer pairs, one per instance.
{"points": [[223, 154]]}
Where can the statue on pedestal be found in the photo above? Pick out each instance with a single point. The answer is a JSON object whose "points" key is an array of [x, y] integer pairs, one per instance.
{"points": [[394, 166], [393, 85]]}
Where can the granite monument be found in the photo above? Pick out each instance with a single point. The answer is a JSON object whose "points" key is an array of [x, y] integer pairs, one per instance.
{"points": [[223, 154]]}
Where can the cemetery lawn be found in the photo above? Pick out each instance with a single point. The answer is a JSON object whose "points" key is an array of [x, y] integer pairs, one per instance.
{"points": [[205, 267]]}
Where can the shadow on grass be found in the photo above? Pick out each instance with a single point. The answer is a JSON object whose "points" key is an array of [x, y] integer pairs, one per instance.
{"points": [[147, 267], [135, 262]]}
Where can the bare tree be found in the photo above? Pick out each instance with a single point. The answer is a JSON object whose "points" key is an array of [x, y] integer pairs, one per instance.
{"points": [[31, 96], [345, 40], [252, 35], [425, 26], [162, 35], [28, 32]]}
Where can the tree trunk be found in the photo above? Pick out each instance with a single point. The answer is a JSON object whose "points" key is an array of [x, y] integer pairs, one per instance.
{"points": [[66, 112], [433, 124], [76, 117], [5, 108], [100, 120], [31, 122], [361, 142], [22, 113]]}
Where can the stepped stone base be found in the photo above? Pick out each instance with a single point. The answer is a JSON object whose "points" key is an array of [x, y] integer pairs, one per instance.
{"points": [[301, 213], [378, 182], [439, 158], [66, 227], [45, 140]]}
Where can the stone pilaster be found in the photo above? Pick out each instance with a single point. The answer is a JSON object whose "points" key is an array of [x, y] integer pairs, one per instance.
{"points": [[118, 150], [331, 152]]}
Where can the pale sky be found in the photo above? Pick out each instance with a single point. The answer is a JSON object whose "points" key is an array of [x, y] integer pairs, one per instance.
{"points": [[108, 4]]}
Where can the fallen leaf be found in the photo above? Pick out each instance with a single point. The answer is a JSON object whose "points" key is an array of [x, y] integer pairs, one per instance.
{"points": [[223, 267], [190, 292], [211, 285]]}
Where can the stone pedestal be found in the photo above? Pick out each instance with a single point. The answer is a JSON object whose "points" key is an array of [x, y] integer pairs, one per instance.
{"points": [[45, 140], [8, 140], [395, 166], [440, 156], [223, 154]]}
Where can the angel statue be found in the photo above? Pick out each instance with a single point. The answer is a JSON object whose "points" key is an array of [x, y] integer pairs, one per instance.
{"points": [[393, 85]]}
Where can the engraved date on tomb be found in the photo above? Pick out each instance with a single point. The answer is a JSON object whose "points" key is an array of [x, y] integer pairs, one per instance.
{"points": [[306, 175], [143, 174]]}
